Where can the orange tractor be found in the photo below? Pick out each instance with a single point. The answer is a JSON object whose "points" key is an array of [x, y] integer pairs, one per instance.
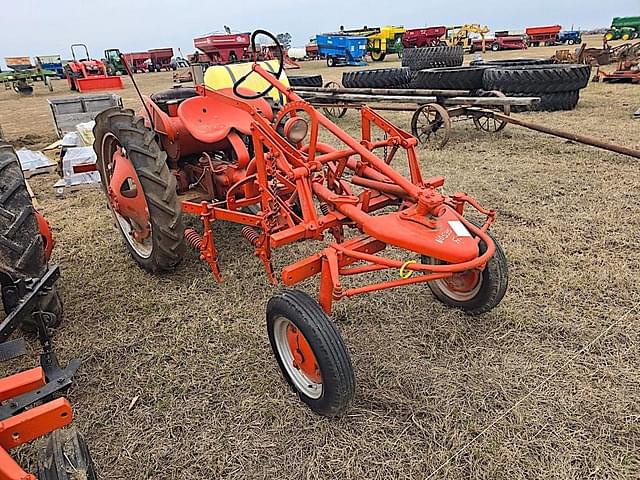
{"points": [[238, 155], [87, 75], [31, 401]]}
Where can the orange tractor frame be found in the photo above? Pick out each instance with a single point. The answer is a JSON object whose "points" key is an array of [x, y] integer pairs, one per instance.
{"points": [[236, 155]]}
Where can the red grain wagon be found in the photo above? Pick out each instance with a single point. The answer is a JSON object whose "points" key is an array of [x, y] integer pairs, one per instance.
{"points": [[543, 35], [138, 61], [221, 48], [423, 37], [161, 58]]}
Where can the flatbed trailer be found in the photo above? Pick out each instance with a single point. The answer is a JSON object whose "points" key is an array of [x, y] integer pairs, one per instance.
{"points": [[433, 110]]}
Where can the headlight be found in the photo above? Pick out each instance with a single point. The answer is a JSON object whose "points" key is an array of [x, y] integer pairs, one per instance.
{"points": [[295, 129]]}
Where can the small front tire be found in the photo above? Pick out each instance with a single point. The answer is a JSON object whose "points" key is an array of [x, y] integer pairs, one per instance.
{"points": [[472, 291], [310, 352]]}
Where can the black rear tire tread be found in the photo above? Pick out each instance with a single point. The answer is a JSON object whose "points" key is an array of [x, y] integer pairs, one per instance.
{"points": [[376, 78], [432, 57], [451, 78], [305, 80], [21, 244], [537, 78], [66, 457], [328, 347], [158, 184]]}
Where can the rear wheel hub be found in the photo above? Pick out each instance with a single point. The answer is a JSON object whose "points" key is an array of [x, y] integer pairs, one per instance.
{"points": [[127, 197]]}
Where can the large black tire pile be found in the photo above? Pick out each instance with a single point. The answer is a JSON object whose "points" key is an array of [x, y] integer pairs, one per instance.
{"points": [[377, 78], [558, 86]]}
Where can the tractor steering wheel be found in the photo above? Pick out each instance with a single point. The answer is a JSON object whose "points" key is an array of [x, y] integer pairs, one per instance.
{"points": [[236, 85]]}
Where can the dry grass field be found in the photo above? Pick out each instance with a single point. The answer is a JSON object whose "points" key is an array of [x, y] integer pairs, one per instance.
{"points": [[178, 380]]}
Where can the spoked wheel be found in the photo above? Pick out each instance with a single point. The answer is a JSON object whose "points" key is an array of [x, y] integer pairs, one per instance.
{"points": [[474, 291], [488, 123], [334, 112], [431, 125], [310, 352], [140, 189]]}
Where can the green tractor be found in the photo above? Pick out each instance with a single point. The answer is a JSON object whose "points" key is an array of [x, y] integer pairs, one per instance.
{"points": [[623, 28], [113, 62]]}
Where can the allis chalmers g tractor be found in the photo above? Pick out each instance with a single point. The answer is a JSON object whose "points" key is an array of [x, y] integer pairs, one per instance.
{"points": [[31, 401], [236, 155]]}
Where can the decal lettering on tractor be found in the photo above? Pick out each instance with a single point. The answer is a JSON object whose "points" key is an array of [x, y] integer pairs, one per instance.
{"points": [[443, 236], [459, 228]]}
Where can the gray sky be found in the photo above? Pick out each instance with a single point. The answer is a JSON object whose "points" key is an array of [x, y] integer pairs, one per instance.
{"points": [[43, 27]]}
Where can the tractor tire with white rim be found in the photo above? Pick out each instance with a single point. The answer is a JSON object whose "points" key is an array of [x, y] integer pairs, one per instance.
{"points": [[310, 352], [120, 135], [474, 291]]}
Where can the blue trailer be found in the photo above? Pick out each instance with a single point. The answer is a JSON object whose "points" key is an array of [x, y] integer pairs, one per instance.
{"points": [[570, 36], [342, 49], [51, 62]]}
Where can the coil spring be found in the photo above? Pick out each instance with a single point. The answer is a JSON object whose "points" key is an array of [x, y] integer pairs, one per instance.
{"points": [[324, 208], [251, 235], [193, 238]]}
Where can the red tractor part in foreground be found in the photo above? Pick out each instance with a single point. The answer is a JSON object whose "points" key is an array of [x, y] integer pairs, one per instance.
{"points": [[234, 155], [88, 75]]}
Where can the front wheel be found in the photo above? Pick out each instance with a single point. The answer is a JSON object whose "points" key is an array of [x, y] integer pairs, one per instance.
{"points": [[310, 352], [378, 56], [571, 41], [331, 62], [474, 291], [495, 47]]}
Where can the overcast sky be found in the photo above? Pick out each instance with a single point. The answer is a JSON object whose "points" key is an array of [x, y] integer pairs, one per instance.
{"points": [[43, 27]]}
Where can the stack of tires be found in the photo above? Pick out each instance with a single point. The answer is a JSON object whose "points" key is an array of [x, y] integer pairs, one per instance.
{"points": [[452, 78], [377, 78], [558, 86], [416, 59]]}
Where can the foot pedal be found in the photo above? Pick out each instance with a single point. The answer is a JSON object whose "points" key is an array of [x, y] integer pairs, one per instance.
{"points": [[12, 349]]}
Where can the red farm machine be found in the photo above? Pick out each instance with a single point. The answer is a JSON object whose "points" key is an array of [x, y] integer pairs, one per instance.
{"points": [[424, 37], [221, 48], [543, 36], [86, 74], [161, 59], [239, 156], [32, 404]]}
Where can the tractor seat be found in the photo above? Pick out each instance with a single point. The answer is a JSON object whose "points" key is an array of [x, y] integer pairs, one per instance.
{"points": [[176, 94], [209, 120]]}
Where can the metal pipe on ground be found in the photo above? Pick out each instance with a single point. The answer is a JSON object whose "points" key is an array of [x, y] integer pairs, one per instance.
{"points": [[594, 142]]}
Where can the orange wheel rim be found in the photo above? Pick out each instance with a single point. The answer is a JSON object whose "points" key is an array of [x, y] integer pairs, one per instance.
{"points": [[303, 357], [463, 282]]}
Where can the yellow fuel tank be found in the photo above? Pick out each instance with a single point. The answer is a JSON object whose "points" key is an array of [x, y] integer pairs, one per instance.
{"points": [[224, 76]]}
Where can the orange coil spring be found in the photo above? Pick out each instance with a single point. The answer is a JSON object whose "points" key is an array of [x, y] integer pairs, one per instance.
{"points": [[250, 234], [193, 238]]}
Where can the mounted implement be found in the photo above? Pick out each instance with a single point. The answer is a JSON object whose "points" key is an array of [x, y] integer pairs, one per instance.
{"points": [[239, 155], [86, 74]]}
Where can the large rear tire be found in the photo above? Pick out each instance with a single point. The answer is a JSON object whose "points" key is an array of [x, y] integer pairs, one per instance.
{"points": [[310, 352], [22, 245], [122, 136], [66, 457]]}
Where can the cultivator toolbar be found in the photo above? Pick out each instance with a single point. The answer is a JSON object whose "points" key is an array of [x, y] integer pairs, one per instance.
{"points": [[236, 155]]}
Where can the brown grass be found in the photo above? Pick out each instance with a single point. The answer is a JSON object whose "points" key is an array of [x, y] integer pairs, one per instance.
{"points": [[212, 404]]}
